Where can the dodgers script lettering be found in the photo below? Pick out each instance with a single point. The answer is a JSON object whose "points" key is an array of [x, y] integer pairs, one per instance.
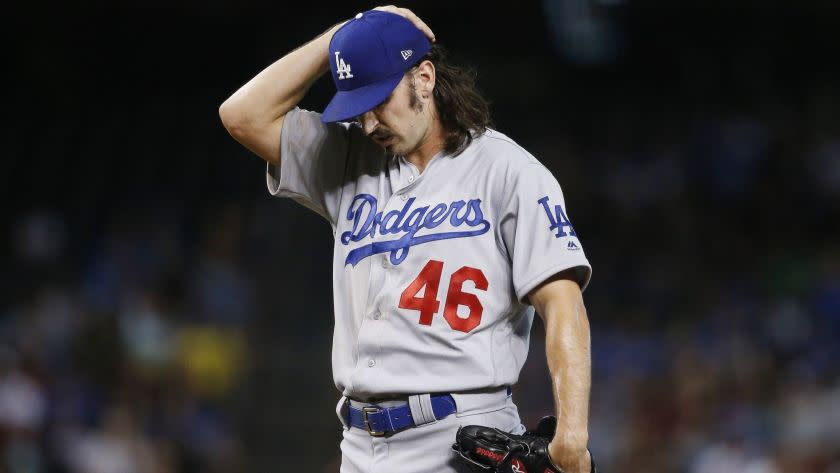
{"points": [[408, 222]]}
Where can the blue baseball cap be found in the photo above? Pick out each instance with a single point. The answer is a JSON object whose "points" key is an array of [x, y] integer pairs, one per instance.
{"points": [[368, 57]]}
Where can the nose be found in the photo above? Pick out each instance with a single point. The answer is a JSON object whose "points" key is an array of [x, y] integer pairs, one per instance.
{"points": [[369, 122]]}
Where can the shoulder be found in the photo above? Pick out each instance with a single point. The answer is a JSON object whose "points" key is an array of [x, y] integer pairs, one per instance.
{"points": [[305, 128], [505, 158], [307, 119], [502, 149]]}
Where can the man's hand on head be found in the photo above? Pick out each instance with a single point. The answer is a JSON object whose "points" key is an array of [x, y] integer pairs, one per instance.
{"points": [[410, 16]]}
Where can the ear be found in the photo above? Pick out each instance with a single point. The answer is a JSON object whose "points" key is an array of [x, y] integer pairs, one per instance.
{"points": [[425, 78]]}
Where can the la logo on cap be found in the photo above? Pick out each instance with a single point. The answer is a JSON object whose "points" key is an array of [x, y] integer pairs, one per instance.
{"points": [[342, 68]]}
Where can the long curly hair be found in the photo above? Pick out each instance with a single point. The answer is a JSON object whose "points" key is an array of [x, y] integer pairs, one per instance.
{"points": [[463, 112]]}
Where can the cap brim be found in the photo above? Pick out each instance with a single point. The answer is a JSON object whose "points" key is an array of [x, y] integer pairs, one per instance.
{"points": [[347, 104]]}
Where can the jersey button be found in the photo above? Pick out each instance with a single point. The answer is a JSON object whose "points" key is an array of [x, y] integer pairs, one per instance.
{"points": [[410, 178], [404, 197], [377, 315], [371, 363]]}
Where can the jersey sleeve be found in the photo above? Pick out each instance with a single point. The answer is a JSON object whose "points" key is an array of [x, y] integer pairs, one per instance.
{"points": [[313, 158], [537, 232]]}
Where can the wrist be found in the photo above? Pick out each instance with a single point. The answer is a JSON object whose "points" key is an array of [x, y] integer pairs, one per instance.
{"points": [[569, 457], [571, 442]]}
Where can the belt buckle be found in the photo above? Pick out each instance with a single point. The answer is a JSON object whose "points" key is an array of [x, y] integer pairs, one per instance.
{"points": [[371, 410]]}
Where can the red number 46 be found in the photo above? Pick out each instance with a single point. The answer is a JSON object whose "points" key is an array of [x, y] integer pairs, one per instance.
{"points": [[428, 304]]}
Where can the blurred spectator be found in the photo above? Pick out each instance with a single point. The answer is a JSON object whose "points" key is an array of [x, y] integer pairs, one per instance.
{"points": [[22, 402], [117, 447]]}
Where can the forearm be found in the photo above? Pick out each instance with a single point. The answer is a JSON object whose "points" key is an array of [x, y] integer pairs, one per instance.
{"points": [[279, 87], [569, 363]]}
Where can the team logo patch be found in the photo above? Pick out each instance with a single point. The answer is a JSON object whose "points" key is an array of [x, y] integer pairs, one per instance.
{"points": [[342, 68], [408, 222], [557, 218]]}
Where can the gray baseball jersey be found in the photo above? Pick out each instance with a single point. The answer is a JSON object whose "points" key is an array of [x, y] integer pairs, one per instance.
{"points": [[431, 271]]}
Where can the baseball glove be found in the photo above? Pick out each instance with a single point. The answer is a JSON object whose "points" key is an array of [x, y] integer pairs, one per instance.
{"points": [[488, 449]]}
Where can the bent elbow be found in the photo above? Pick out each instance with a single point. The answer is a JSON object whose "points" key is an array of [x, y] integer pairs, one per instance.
{"points": [[259, 136], [232, 118]]}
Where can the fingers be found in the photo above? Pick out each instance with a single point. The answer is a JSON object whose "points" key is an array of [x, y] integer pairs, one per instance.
{"points": [[420, 24], [410, 16]]}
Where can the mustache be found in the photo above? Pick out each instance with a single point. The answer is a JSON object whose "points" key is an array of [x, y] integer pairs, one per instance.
{"points": [[380, 134]]}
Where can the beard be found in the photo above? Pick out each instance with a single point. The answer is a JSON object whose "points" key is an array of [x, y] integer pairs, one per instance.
{"points": [[398, 146], [414, 99], [391, 142]]}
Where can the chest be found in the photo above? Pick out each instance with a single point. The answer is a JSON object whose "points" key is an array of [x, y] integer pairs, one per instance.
{"points": [[400, 209]]}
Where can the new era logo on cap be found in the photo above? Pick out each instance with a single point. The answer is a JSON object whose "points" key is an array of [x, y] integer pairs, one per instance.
{"points": [[368, 57]]}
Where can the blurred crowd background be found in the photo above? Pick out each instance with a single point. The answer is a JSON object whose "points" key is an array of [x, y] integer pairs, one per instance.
{"points": [[160, 313]]}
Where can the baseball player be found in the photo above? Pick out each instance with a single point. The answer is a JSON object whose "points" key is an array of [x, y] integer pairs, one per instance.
{"points": [[447, 236]]}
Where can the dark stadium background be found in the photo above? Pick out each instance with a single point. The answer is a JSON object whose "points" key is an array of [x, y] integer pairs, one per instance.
{"points": [[159, 312]]}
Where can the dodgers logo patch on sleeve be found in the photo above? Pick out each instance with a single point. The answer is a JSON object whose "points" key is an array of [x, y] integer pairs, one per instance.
{"points": [[557, 218]]}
